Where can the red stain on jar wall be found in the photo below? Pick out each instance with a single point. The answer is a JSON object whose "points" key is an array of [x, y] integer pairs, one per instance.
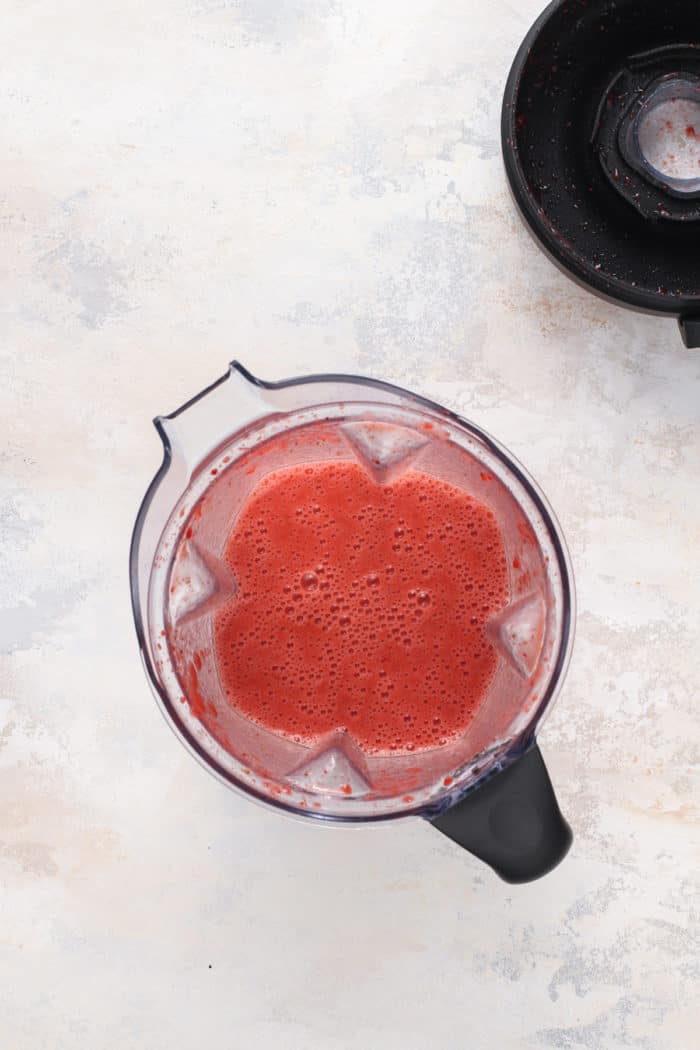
{"points": [[198, 705], [526, 533]]}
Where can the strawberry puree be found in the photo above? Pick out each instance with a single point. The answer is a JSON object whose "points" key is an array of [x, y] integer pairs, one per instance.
{"points": [[361, 606]]}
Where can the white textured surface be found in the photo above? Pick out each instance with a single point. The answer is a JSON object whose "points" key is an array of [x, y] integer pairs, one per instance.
{"points": [[317, 184]]}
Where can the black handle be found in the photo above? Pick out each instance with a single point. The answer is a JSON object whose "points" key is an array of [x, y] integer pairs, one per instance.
{"points": [[512, 822], [690, 330]]}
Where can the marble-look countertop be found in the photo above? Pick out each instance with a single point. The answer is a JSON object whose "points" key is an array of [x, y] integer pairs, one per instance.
{"points": [[311, 185]]}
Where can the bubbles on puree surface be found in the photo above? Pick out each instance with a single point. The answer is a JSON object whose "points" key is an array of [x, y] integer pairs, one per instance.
{"points": [[361, 606]]}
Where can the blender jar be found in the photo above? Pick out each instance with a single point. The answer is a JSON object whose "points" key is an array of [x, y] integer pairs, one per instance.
{"points": [[488, 790]]}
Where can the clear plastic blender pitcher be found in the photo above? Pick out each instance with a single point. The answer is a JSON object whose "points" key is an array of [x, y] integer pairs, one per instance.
{"points": [[488, 790]]}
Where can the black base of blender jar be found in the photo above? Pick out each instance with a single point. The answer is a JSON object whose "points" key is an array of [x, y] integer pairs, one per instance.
{"points": [[582, 77], [512, 822]]}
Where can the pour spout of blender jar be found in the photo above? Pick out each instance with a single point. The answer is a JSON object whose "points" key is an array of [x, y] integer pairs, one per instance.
{"points": [[194, 430], [512, 822]]}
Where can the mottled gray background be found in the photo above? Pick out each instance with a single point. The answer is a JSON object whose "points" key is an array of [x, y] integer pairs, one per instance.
{"points": [[312, 185]]}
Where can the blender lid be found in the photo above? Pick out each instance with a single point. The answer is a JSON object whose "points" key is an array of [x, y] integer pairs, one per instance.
{"points": [[601, 142]]}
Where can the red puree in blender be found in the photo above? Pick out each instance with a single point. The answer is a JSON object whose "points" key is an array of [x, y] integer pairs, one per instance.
{"points": [[361, 606]]}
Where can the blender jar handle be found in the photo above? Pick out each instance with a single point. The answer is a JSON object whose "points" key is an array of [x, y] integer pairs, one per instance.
{"points": [[512, 822]]}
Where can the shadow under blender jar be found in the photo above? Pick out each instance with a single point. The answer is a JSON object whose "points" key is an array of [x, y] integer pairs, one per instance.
{"points": [[488, 790]]}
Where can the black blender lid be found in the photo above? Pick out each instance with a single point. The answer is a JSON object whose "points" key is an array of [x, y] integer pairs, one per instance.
{"points": [[585, 81]]}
